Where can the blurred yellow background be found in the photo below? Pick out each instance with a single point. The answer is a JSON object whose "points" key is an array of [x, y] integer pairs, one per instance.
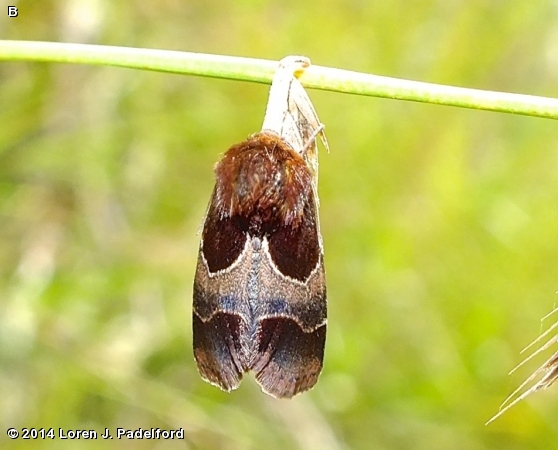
{"points": [[440, 225]]}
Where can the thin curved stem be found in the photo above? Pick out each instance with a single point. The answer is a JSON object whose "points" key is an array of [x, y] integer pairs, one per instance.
{"points": [[261, 71]]}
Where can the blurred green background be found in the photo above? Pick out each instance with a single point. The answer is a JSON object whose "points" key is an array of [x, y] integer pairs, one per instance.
{"points": [[440, 225]]}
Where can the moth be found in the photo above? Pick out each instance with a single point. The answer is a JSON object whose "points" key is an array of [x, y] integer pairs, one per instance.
{"points": [[259, 289]]}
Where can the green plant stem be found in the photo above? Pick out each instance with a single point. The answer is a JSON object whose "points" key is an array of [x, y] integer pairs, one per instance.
{"points": [[261, 71]]}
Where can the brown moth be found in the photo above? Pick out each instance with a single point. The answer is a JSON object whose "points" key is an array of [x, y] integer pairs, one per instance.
{"points": [[259, 289]]}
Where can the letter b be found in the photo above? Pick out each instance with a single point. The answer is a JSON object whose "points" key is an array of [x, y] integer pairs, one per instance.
{"points": [[12, 11]]}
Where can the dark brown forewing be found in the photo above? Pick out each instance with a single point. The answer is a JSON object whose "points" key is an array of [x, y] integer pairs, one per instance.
{"points": [[290, 357], [222, 240], [290, 360], [216, 349], [296, 250], [218, 324]]}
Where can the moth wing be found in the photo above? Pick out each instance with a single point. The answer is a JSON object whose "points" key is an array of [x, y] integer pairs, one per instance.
{"points": [[215, 351], [292, 310], [290, 359], [219, 308]]}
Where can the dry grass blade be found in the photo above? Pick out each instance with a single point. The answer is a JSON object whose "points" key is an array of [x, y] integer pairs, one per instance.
{"points": [[548, 370]]}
